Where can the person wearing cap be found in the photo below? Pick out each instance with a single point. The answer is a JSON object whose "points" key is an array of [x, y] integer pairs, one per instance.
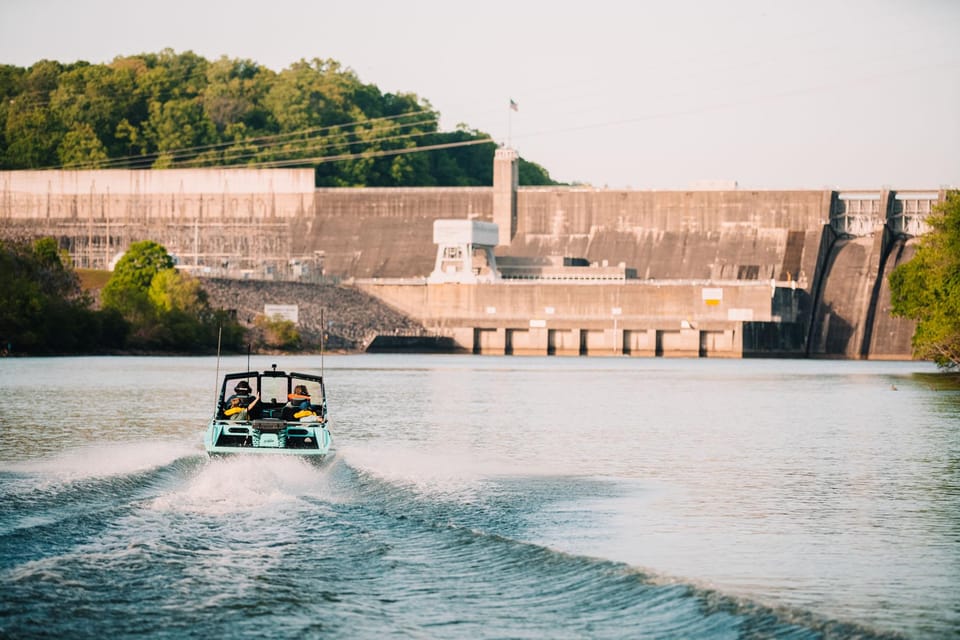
{"points": [[241, 402]]}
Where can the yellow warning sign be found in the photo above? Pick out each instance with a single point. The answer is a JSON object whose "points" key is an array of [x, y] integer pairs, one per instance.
{"points": [[712, 295]]}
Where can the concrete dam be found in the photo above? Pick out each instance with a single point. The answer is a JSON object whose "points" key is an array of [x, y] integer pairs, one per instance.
{"points": [[545, 270]]}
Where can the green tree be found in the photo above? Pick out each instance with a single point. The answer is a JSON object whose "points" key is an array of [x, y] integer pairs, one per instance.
{"points": [[234, 94], [32, 134], [171, 290], [81, 147], [181, 309], [167, 309], [32, 129], [927, 288], [93, 99], [533, 175], [166, 109], [276, 333], [127, 291], [42, 308], [24, 296], [11, 79], [178, 304], [311, 94], [175, 127], [54, 266]]}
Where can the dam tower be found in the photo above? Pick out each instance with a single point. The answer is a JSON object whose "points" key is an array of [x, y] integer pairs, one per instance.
{"points": [[506, 180]]}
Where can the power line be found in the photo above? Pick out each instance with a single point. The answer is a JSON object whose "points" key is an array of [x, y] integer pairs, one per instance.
{"points": [[320, 144], [273, 141], [323, 144], [374, 154]]}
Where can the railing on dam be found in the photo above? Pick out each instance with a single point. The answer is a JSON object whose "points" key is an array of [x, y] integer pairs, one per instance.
{"points": [[856, 214], [864, 213], [909, 212]]}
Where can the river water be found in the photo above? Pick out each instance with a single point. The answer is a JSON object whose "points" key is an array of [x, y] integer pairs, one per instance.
{"points": [[487, 497]]}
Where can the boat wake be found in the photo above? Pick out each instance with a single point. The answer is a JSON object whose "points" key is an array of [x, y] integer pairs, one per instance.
{"points": [[109, 459], [436, 543], [485, 521], [235, 484]]}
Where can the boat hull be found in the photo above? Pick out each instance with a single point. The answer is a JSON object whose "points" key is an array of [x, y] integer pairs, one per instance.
{"points": [[230, 452], [292, 439]]}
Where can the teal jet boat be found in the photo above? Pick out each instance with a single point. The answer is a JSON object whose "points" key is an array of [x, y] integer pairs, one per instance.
{"points": [[270, 413]]}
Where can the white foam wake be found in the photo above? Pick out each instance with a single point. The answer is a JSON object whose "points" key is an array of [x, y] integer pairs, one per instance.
{"points": [[429, 469], [112, 459], [244, 483]]}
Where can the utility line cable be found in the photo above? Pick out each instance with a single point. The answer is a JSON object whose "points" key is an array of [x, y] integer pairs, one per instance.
{"points": [[276, 139], [375, 154], [323, 144]]}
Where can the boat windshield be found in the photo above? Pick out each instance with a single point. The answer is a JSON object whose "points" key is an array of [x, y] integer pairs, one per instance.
{"points": [[240, 387], [274, 390], [312, 388]]}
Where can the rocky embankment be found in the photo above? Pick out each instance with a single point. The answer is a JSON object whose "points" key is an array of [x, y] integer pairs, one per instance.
{"points": [[353, 318]]}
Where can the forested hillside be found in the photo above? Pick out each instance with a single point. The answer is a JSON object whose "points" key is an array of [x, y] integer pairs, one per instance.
{"points": [[168, 109]]}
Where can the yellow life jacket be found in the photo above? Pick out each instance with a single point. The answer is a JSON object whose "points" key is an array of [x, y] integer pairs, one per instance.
{"points": [[303, 413], [233, 411]]}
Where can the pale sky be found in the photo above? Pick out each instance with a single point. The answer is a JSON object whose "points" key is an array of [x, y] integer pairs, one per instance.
{"points": [[799, 94]]}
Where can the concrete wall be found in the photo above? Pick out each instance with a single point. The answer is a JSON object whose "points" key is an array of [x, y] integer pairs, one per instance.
{"points": [[574, 211], [851, 305], [575, 305], [383, 233], [891, 337], [838, 322], [635, 318], [751, 235], [179, 194], [801, 247]]}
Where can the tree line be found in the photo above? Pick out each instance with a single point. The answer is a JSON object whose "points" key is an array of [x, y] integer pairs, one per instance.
{"points": [[168, 109], [927, 287], [146, 305]]}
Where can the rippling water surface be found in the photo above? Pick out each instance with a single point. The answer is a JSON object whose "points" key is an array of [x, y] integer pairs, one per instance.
{"points": [[487, 497]]}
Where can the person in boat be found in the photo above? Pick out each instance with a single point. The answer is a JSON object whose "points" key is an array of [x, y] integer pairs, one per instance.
{"points": [[299, 400], [242, 391], [237, 411], [240, 402]]}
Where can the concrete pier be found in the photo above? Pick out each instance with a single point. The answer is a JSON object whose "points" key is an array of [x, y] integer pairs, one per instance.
{"points": [[632, 319]]}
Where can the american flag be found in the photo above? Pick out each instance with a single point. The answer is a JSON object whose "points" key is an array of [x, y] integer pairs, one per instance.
{"points": [[514, 105]]}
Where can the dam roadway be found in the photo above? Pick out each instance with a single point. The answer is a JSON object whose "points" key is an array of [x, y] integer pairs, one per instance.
{"points": [[721, 273]]}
